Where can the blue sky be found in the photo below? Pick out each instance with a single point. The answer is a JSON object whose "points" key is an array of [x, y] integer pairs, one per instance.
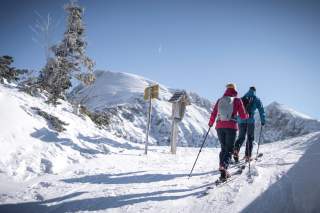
{"points": [[195, 45]]}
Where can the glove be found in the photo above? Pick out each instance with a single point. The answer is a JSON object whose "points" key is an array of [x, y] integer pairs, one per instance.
{"points": [[210, 124], [263, 123]]}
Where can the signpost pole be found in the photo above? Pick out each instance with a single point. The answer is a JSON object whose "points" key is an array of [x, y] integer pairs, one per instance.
{"points": [[179, 102], [149, 120], [174, 136]]}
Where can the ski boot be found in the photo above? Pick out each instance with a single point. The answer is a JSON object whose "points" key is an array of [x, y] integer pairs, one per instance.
{"points": [[236, 156], [224, 174], [247, 158]]}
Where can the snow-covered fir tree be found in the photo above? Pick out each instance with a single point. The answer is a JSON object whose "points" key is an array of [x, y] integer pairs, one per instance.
{"points": [[70, 57]]}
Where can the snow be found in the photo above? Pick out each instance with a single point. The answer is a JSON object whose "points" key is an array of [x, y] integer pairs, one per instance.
{"points": [[132, 182], [298, 189], [87, 168], [287, 109], [284, 123], [29, 147], [122, 94]]}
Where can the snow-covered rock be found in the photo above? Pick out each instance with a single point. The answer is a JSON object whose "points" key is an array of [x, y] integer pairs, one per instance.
{"points": [[284, 122], [120, 95]]}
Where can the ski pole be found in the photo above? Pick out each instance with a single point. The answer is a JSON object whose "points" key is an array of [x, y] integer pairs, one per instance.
{"points": [[259, 141], [247, 150], [199, 151]]}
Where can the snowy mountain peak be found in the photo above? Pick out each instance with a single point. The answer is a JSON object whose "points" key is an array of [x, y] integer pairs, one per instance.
{"points": [[284, 122], [274, 104], [287, 110], [120, 96], [113, 89]]}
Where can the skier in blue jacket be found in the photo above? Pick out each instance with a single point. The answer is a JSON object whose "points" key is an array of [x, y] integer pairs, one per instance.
{"points": [[246, 126]]}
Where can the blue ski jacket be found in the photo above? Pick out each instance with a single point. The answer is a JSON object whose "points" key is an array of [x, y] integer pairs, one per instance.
{"points": [[255, 105]]}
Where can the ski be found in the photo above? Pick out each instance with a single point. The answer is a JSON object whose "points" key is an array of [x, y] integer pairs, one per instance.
{"points": [[259, 156], [254, 159], [249, 176], [234, 176], [234, 165], [219, 183], [238, 165]]}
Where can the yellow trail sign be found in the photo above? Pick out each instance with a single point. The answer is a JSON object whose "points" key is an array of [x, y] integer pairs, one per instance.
{"points": [[150, 93], [154, 92]]}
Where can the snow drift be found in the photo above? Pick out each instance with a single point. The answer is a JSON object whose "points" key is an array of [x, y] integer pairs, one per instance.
{"points": [[31, 147]]}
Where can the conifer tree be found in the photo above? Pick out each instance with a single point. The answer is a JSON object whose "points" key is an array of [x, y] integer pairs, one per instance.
{"points": [[6, 71], [70, 57]]}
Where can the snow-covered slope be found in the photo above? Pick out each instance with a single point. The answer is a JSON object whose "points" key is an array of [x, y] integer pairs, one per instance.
{"points": [[284, 122], [120, 95], [286, 179], [30, 147], [90, 169]]}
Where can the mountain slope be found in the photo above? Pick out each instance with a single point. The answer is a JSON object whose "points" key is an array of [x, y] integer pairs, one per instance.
{"points": [[31, 147], [284, 122], [87, 168], [120, 95]]}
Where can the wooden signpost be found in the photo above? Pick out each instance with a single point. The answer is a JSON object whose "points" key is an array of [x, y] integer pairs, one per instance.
{"points": [[150, 93], [179, 100]]}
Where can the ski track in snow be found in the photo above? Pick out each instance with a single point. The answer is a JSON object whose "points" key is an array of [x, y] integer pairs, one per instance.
{"points": [[158, 182], [96, 172]]}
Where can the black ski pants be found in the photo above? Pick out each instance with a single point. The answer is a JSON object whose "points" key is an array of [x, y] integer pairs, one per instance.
{"points": [[245, 129], [227, 138]]}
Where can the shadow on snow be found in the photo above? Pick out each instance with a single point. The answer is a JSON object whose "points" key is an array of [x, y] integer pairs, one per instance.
{"points": [[100, 140], [100, 203], [124, 179], [296, 191], [50, 136]]}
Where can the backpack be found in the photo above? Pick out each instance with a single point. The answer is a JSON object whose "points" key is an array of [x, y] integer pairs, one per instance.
{"points": [[225, 108], [248, 103]]}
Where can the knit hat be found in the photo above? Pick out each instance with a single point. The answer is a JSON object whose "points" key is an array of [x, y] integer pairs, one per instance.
{"points": [[231, 86], [253, 88]]}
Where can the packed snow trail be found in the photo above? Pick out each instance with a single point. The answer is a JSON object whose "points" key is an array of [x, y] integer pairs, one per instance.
{"points": [[132, 182]]}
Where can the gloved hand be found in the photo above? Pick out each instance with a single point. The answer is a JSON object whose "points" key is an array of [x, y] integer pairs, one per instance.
{"points": [[263, 123], [210, 124]]}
